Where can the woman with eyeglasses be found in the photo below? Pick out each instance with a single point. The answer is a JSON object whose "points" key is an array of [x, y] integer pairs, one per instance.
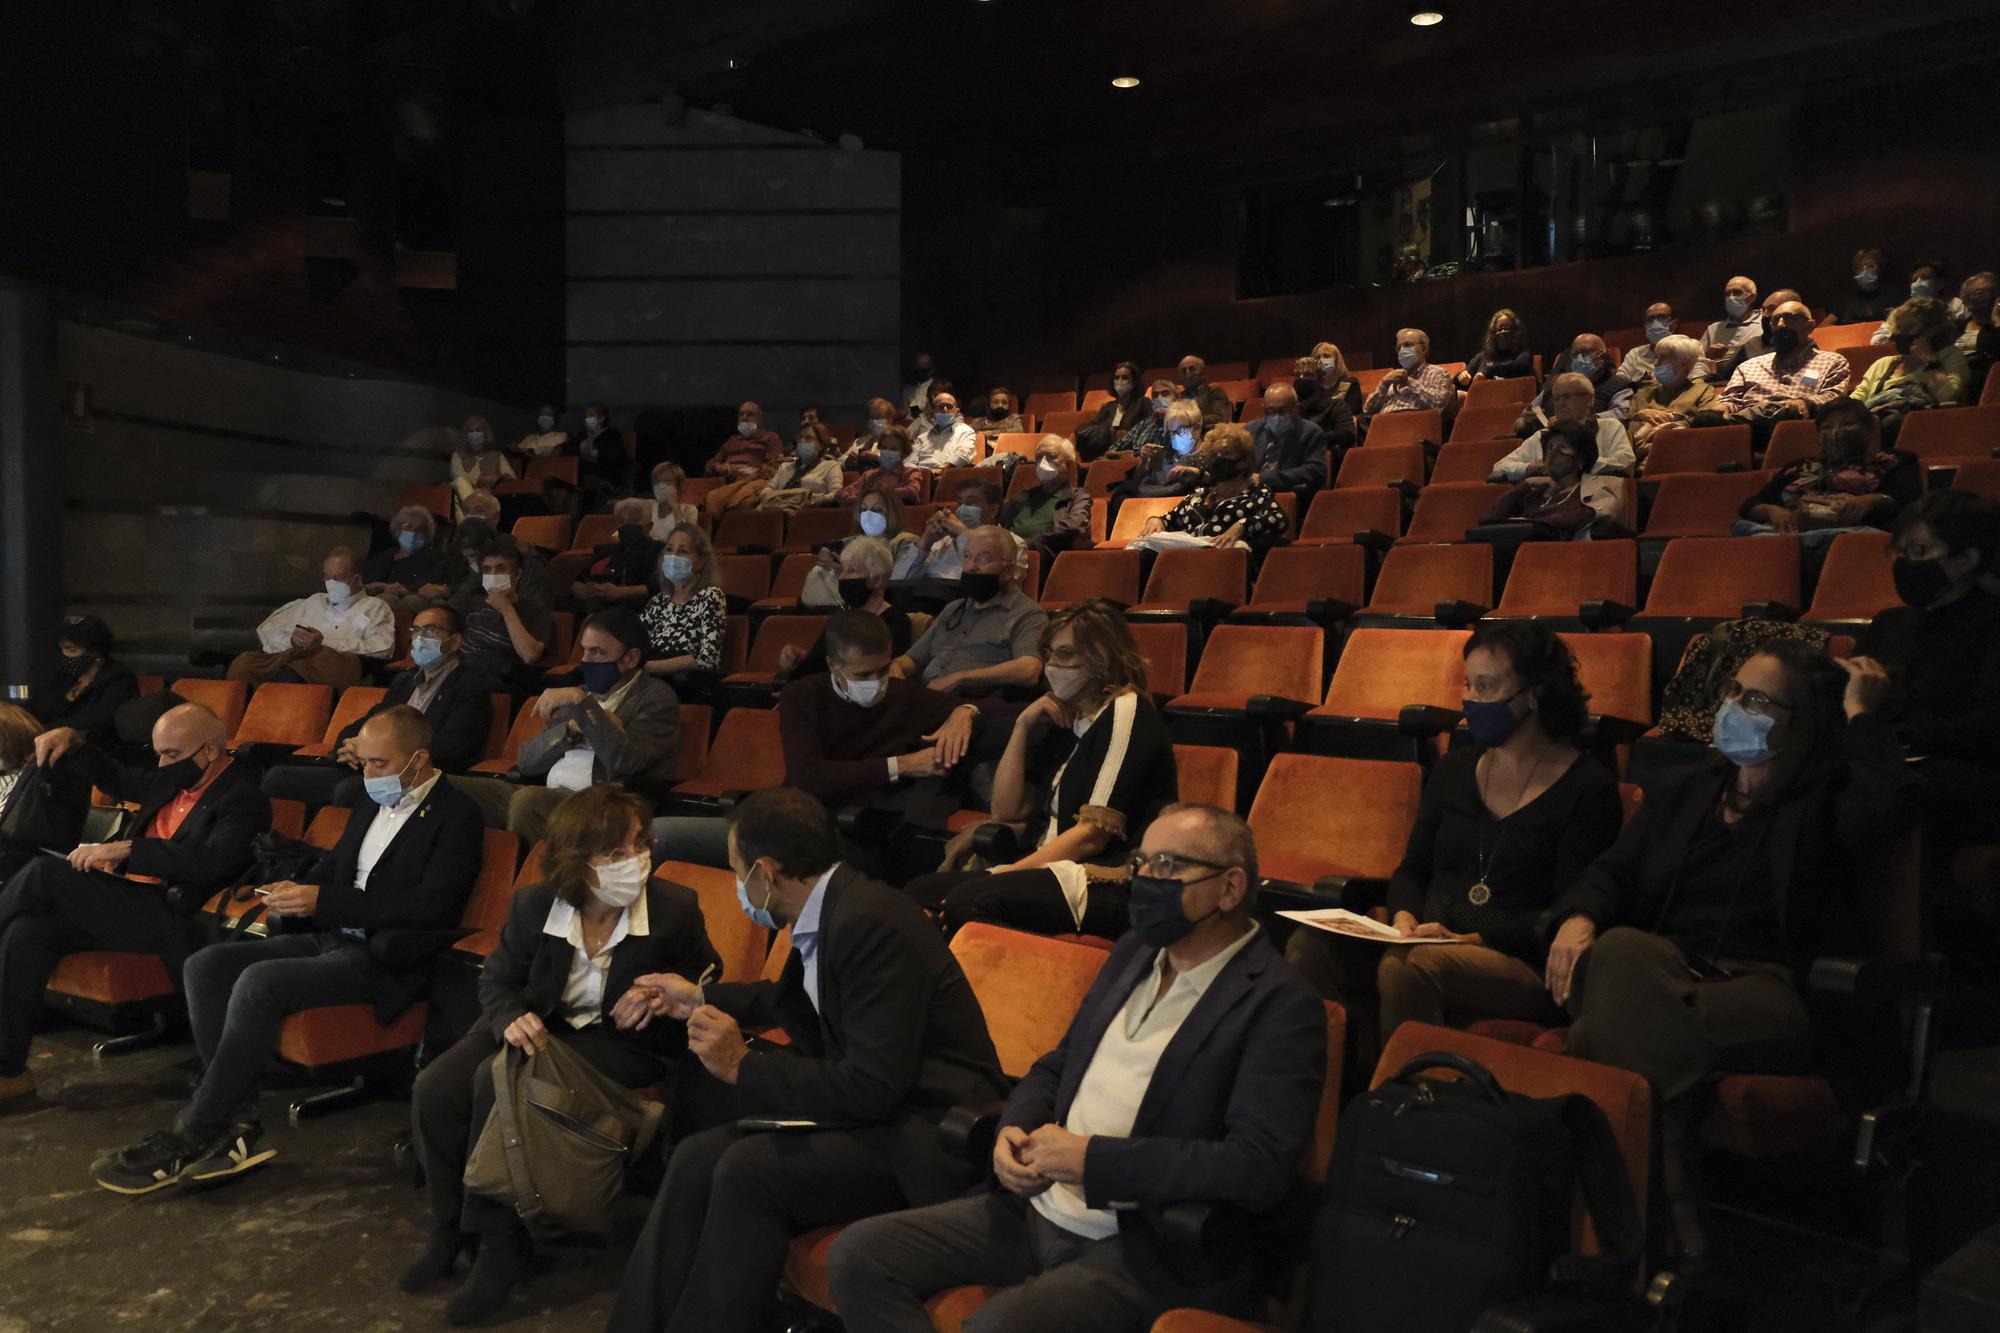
{"points": [[1087, 766], [1679, 952], [565, 969]]}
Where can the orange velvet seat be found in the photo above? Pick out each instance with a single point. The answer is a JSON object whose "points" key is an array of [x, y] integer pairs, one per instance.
{"points": [[754, 530], [107, 977], [288, 715], [1699, 504], [1414, 579], [1336, 515], [1857, 581], [1394, 428], [1080, 575], [1677, 449], [815, 527], [527, 725], [1718, 576], [739, 942], [1241, 662], [1180, 577], [1132, 516], [227, 699], [353, 705], [1294, 577], [1164, 645], [550, 532], [1470, 459], [1555, 578], [745, 756], [1315, 816], [1381, 465], [1445, 511], [593, 531], [1206, 774], [1511, 394]]}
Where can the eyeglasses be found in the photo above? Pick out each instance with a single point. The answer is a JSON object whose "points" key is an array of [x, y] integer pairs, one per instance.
{"points": [[1753, 701], [1061, 657], [429, 632], [1168, 865]]}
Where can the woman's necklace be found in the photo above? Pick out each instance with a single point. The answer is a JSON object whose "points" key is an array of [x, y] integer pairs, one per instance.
{"points": [[1481, 892]]}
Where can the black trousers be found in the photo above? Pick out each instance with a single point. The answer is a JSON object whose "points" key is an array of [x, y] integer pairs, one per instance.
{"points": [[313, 784], [454, 1098], [1030, 900], [48, 910]]}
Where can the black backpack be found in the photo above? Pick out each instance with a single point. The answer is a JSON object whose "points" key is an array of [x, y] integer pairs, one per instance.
{"points": [[1444, 1199]]}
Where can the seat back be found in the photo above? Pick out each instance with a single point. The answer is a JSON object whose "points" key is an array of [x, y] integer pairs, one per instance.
{"points": [[433, 500], [696, 721], [1021, 442], [280, 714], [1960, 432], [778, 633], [486, 905], [1207, 775], [1861, 356], [1164, 645], [1336, 515], [790, 581], [745, 576], [1276, 370], [1354, 813], [1414, 579], [1132, 515], [750, 530], [739, 942], [326, 827], [1101, 476], [548, 531], [1443, 513], [227, 699], [949, 480], [352, 706], [1278, 660], [1182, 576], [1302, 573], [1834, 337], [1065, 423], [1028, 986], [593, 531], [1093, 399], [1857, 580], [1697, 449], [1394, 428], [562, 647], [527, 725], [558, 466], [809, 528], [1079, 575], [1981, 476], [1716, 576], [1700, 504], [1554, 578], [1048, 400], [1471, 459], [1616, 670], [1382, 671], [1791, 442], [746, 753], [288, 818], [1509, 395], [1381, 465]]}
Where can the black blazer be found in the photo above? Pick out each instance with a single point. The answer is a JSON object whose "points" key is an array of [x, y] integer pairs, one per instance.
{"points": [[420, 882], [898, 1038], [211, 848], [94, 711], [460, 715], [1224, 1119], [528, 969]]}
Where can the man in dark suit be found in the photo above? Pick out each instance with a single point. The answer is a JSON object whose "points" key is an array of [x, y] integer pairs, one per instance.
{"points": [[1192, 1072], [885, 1037], [1291, 451], [199, 811], [405, 863]]}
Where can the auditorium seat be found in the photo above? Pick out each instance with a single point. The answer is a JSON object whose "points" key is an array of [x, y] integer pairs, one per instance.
{"points": [[809, 529], [1046, 401], [949, 480], [1219, 371], [1700, 505], [1470, 460], [739, 942], [787, 585], [1380, 465], [749, 532], [1206, 775], [527, 725], [1322, 582], [1242, 391], [1949, 433], [695, 726], [1267, 675], [433, 500], [743, 578], [562, 648], [1616, 671], [1791, 442], [1856, 582], [1275, 370], [227, 699], [1417, 582], [1380, 673], [1981, 476], [744, 756], [1336, 516], [1092, 401], [1132, 516], [1080, 575], [1394, 428], [288, 818], [1491, 421], [1444, 512], [287, 716], [1860, 357], [550, 532], [917, 517], [1102, 475], [1020, 442], [353, 705], [1835, 337], [1317, 817], [1512, 394], [1065, 423], [1164, 645], [593, 531], [1556, 580], [758, 683], [1702, 581], [1677, 449], [1199, 584], [1989, 396]]}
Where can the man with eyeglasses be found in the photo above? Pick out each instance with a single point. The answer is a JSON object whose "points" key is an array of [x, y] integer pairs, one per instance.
{"points": [[1126, 1116], [451, 694]]}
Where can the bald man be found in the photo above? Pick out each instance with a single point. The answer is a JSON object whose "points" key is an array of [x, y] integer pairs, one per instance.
{"points": [[1571, 397], [199, 810], [323, 639], [751, 454], [1291, 451], [1590, 358], [391, 889]]}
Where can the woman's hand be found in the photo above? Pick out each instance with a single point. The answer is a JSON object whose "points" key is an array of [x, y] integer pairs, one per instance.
{"points": [[1228, 538], [526, 1033], [1437, 930], [1043, 712], [1404, 923], [1153, 525], [1867, 684], [1571, 943]]}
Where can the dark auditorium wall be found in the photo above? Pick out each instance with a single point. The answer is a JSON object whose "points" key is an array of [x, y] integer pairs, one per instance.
{"points": [[1093, 275]]}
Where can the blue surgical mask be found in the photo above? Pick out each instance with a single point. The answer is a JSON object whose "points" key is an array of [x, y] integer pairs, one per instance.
{"points": [[1583, 363], [1278, 424], [1924, 287], [1741, 736], [1155, 911], [761, 915], [891, 459], [1490, 722], [1409, 358], [807, 454], [970, 515], [945, 420], [873, 522], [426, 653], [1657, 329], [1182, 441], [598, 677], [387, 789], [1665, 374], [1735, 305], [410, 541], [676, 568], [1867, 279], [1162, 404]]}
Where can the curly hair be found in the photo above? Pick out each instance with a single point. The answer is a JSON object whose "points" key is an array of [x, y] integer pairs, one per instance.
{"points": [[1545, 668], [1932, 318], [1810, 744], [590, 823], [1104, 644]]}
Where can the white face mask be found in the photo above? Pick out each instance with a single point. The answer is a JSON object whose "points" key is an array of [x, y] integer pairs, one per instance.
{"points": [[1048, 469], [496, 582], [665, 496], [873, 522], [338, 593], [876, 425], [866, 693], [620, 883], [1326, 363], [1065, 683], [747, 427], [546, 422]]}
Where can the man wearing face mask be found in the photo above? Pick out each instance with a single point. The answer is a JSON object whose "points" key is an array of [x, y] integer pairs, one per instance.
{"points": [[547, 438], [1610, 393], [744, 461], [885, 1037], [324, 639], [916, 392], [1414, 385], [377, 910], [1639, 361], [1795, 379], [1571, 398], [1001, 416], [1127, 1115], [977, 504], [507, 623], [1053, 515], [622, 569], [1739, 323], [1291, 451], [1761, 342], [989, 639], [199, 811], [1212, 399], [948, 442]]}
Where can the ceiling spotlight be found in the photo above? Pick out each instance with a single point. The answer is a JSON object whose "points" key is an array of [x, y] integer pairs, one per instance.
{"points": [[737, 62], [1424, 16], [1125, 81]]}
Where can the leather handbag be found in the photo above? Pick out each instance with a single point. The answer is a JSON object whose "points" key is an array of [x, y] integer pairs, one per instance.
{"points": [[559, 1140]]}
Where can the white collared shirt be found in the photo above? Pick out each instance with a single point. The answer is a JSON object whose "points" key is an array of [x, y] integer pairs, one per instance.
{"points": [[934, 449], [805, 934], [583, 993], [363, 625], [1108, 1097], [382, 830]]}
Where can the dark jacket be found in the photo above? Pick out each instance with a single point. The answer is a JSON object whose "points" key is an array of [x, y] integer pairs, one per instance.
{"points": [[391, 565], [839, 751], [420, 883], [1100, 433], [1502, 365], [1298, 462], [528, 969], [1607, 393], [461, 715], [1214, 403], [1224, 1119], [898, 1038], [1944, 676], [613, 465], [211, 848], [1332, 411], [92, 712]]}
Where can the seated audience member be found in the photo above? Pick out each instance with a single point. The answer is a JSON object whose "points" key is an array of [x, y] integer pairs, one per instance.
{"points": [[669, 480], [684, 618], [324, 639], [1503, 353], [1925, 370], [1230, 505], [617, 724], [548, 438], [1335, 380], [1639, 361], [947, 441], [939, 553], [810, 474], [878, 515], [1793, 380], [1867, 300], [507, 626], [604, 465], [1506, 824], [199, 811], [1053, 515], [885, 1037], [1985, 351], [917, 391], [1087, 764], [859, 456], [1571, 398], [1679, 952], [1976, 295], [1930, 281], [1850, 487], [1127, 1115], [1760, 343], [478, 465], [1414, 385], [622, 571], [1169, 466], [478, 525], [892, 472], [865, 567], [1002, 415], [1672, 394], [88, 685], [564, 970], [1211, 399], [404, 865], [1151, 427], [454, 698], [1739, 323], [1291, 451], [396, 572], [1328, 397], [744, 461], [1562, 498], [990, 638], [1611, 393], [1128, 407]]}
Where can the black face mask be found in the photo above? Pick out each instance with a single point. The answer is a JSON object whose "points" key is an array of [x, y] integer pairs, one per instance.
{"points": [[1919, 582], [70, 669], [1766, 323], [1904, 341], [979, 587], [854, 592], [1304, 387], [474, 533], [1784, 340], [631, 534], [182, 773], [919, 373], [1225, 468]]}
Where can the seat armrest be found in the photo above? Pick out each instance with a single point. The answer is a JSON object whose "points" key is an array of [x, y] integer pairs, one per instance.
{"points": [[1733, 465], [1209, 608], [1603, 729], [1329, 610], [1192, 1228], [968, 1132], [1426, 721], [1408, 489], [1455, 614], [1569, 1312], [1601, 613], [1769, 611], [866, 825], [1374, 539], [736, 606], [1276, 708], [1874, 979], [997, 842], [730, 798]]}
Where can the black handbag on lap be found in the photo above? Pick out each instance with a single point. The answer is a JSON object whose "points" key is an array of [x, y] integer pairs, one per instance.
{"points": [[43, 812]]}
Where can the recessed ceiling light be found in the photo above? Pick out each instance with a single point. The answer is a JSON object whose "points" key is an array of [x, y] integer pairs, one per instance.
{"points": [[1425, 17], [1125, 81]]}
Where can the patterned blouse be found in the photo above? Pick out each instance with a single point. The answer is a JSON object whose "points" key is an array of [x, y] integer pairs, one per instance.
{"points": [[1256, 508], [690, 629]]}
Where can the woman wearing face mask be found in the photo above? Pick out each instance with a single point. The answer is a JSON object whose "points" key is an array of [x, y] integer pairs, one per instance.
{"points": [[1328, 396], [1850, 487], [1231, 507], [1671, 394], [1168, 465], [1926, 369], [1506, 823], [397, 572], [87, 687], [1679, 952], [860, 456], [548, 438], [808, 476], [1868, 298], [1503, 353], [1129, 406], [878, 515], [1928, 281], [604, 465], [622, 570], [1087, 767], [668, 512], [684, 619], [1053, 515], [1001, 415], [889, 472], [565, 969], [478, 465], [1564, 501], [861, 583]]}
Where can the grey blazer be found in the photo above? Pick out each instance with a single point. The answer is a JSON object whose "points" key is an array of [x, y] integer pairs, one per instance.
{"points": [[641, 754]]}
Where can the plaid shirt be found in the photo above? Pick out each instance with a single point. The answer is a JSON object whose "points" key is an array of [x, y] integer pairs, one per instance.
{"points": [[1421, 391], [1759, 383]]}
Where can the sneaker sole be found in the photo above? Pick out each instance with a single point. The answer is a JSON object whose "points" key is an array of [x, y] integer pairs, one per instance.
{"points": [[197, 1177], [134, 1190]]}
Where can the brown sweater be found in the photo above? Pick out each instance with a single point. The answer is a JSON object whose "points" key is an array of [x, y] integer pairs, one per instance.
{"points": [[839, 751]]}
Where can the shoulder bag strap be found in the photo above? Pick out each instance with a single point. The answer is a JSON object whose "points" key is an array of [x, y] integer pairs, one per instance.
{"points": [[507, 1106], [1607, 1193]]}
